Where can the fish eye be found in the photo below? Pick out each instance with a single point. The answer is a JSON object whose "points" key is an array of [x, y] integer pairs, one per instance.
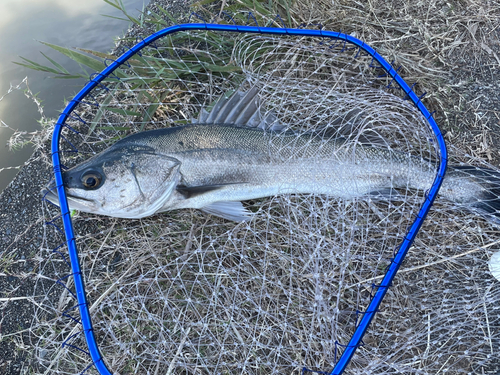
{"points": [[91, 179]]}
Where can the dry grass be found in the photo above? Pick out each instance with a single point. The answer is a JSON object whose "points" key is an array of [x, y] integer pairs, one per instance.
{"points": [[189, 293]]}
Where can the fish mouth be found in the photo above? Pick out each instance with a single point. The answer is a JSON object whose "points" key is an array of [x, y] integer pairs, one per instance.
{"points": [[74, 203]]}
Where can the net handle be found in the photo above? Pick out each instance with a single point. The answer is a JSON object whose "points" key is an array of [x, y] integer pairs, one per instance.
{"points": [[381, 290]]}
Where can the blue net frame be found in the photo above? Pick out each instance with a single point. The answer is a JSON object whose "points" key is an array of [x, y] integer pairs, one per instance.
{"points": [[379, 290]]}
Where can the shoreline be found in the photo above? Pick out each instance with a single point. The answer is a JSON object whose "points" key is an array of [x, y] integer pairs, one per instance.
{"points": [[22, 233]]}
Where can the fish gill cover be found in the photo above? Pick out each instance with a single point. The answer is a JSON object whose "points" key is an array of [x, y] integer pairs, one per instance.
{"points": [[187, 292]]}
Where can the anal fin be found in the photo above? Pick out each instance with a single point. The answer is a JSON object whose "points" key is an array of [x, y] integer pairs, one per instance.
{"points": [[228, 210]]}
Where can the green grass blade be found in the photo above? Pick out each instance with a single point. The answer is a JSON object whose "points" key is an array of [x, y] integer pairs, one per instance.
{"points": [[35, 66], [102, 55], [113, 4], [167, 13], [203, 2], [57, 65], [100, 113], [80, 58], [117, 128], [116, 18], [149, 96], [116, 138], [122, 111], [148, 114], [71, 76], [225, 69], [41, 68]]}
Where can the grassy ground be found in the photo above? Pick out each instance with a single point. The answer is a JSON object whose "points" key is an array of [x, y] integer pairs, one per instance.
{"points": [[451, 49]]}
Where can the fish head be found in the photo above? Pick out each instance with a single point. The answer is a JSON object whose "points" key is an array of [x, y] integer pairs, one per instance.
{"points": [[127, 182]]}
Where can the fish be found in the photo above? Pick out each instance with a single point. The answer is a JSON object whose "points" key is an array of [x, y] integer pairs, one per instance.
{"points": [[236, 153]]}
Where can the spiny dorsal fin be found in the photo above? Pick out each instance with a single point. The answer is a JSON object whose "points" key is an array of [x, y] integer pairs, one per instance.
{"points": [[242, 109]]}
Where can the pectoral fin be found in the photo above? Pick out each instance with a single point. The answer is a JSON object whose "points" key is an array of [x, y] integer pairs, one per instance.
{"points": [[193, 191], [228, 210]]}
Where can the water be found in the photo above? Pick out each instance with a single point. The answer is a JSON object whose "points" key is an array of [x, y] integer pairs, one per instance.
{"points": [[65, 23]]}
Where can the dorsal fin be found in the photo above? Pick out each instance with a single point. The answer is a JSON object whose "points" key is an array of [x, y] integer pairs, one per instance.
{"points": [[242, 109]]}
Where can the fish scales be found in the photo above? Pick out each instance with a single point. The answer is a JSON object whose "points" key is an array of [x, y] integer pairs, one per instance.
{"points": [[227, 154], [215, 166]]}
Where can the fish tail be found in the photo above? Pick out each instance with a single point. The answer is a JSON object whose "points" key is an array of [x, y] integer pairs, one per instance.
{"points": [[477, 188]]}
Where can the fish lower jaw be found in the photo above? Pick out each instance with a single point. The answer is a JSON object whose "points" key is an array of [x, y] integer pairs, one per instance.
{"points": [[50, 196], [72, 205]]}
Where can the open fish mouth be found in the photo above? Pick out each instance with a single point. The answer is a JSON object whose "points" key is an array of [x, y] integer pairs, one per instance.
{"points": [[79, 204]]}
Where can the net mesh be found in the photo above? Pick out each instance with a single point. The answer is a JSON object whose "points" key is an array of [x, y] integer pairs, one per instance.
{"points": [[185, 292]]}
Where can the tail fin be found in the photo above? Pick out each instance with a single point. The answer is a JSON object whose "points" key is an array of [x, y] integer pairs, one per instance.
{"points": [[476, 188]]}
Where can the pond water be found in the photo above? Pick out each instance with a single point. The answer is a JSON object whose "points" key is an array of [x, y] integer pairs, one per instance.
{"points": [[23, 23]]}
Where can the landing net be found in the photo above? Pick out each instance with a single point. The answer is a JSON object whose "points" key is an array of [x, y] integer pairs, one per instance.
{"points": [[185, 292]]}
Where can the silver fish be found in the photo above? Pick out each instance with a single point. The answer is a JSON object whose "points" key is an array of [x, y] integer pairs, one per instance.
{"points": [[234, 153]]}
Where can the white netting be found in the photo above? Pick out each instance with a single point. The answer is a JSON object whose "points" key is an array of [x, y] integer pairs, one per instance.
{"points": [[186, 292]]}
